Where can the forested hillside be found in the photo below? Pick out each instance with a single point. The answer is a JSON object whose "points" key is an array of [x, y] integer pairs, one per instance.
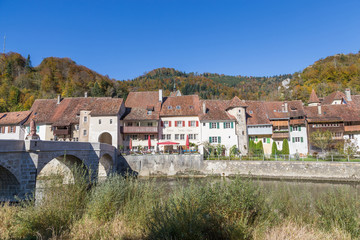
{"points": [[21, 83], [327, 75]]}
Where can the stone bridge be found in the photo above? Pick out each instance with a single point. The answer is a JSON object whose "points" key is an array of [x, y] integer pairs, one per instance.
{"points": [[22, 162]]}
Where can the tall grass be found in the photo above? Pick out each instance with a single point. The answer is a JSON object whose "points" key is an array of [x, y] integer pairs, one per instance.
{"points": [[128, 208]]}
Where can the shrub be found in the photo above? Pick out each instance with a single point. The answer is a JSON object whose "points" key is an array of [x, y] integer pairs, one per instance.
{"points": [[285, 147]]}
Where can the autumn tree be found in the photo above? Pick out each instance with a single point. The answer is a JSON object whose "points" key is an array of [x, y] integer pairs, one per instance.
{"points": [[321, 139]]}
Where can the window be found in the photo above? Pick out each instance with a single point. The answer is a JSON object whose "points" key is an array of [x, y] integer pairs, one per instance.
{"points": [[239, 111], [243, 132], [149, 112], [129, 124], [99, 121], [227, 125], [169, 107], [168, 136], [191, 136], [134, 137], [152, 137], [191, 107], [163, 136], [297, 139], [179, 123], [166, 124], [77, 127], [251, 112], [150, 124], [84, 132], [178, 107], [264, 140], [195, 136], [204, 124], [146, 137], [295, 128], [215, 139], [192, 123], [85, 118], [212, 125], [11, 129], [76, 139], [351, 136], [182, 136], [110, 121], [176, 136]]}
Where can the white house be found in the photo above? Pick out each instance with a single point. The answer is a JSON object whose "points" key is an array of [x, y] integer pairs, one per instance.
{"points": [[179, 120], [11, 125]]}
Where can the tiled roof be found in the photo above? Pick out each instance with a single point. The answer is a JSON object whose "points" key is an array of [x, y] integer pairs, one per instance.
{"points": [[66, 113], [188, 105], [332, 113], [256, 113], [236, 102], [13, 118], [138, 103], [333, 96], [276, 109], [313, 97], [215, 110]]}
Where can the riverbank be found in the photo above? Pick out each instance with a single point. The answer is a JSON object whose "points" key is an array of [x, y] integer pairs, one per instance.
{"points": [[194, 165], [198, 208]]}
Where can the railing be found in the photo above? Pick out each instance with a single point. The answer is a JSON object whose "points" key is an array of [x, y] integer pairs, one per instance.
{"points": [[139, 129], [280, 135], [293, 157], [61, 131]]}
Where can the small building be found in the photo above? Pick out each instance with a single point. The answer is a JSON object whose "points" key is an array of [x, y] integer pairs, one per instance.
{"points": [[12, 125]]}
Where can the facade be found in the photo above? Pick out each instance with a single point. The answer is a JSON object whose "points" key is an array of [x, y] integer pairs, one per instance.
{"points": [[11, 125], [179, 118]]}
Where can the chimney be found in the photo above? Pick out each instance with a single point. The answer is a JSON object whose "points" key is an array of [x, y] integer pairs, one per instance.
{"points": [[59, 99], [319, 109], [348, 94], [204, 107], [286, 106], [85, 94], [160, 95]]}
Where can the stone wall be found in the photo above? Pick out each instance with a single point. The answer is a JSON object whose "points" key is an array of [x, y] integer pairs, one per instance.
{"points": [[163, 165]]}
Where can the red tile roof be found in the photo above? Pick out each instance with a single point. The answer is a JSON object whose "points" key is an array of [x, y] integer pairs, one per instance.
{"points": [[215, 110], [13, 118], [332, 113], [256, 113], [333, 96], [313, 97], [236, 102], [47, 111], [276, 109], [188, 105], [138, 103]]}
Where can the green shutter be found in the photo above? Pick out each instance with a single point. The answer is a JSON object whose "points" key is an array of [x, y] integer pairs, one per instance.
{"points": [[219, 139], [302, 139], [209, 139], [293, 139], [299, 128], [267, 140], [209, 125], [232, 124], [290, 128], [218, 125], [255, 139], [224, 125]]}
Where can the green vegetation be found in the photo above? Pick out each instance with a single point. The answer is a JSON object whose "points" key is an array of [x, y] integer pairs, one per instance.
{"points": [[285, 147], [127, 208]]}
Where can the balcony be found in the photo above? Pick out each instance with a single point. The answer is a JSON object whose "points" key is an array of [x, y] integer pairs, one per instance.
{"points": [[136, 129], [65, 131], [353, 128], [280, 135]]}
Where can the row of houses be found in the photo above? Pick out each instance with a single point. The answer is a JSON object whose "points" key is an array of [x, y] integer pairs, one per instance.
{"points": [[153, 122]]}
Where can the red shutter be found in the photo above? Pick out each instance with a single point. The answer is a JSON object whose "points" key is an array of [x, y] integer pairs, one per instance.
{"points": [[169, 123], [15, 129], [8, 129], [183, 123], [189, 123], [162, 123], [197, 123], [175, 123]]}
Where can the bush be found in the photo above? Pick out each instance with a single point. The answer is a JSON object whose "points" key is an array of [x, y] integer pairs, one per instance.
{"points": [[285, 147]]}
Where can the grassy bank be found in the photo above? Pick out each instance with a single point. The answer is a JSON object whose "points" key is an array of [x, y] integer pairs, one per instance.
{"points": [[127, 208]]}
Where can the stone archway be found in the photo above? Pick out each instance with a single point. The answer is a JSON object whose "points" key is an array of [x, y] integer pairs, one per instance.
{"points": [[105, 166], [105, 137], [9, 185]]}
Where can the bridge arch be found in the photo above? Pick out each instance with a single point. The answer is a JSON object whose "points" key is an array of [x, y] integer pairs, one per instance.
{"points": [[105, 166], [9, 185], [105, 137]]}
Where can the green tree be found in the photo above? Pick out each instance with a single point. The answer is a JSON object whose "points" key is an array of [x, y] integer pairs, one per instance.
{"points": [[96, 90], [274, 150], [285, 147], [234, 151], [259, 148], [321, 139], [28, 65]]}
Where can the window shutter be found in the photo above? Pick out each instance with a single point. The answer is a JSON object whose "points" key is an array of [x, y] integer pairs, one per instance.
{"points": [[293, 139], [299, 128], [183, 123], [290, 128], [232, 124], [255, 139], [218, 125], [175, 123], [169, 123], [219, 139], [209, 139], [268, 140], [209, 125], [162, 123], [197, 123], [302, 139], [8, 129], [189, 123], [14, 129], [224, 125], [3, 131]]}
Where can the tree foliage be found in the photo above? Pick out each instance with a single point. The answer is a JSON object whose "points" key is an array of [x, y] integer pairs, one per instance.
{"points": [[321, 139], [285, 147], [274, 150]]}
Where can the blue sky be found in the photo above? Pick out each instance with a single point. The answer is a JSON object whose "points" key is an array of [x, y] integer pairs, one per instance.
{"points": [[124, 39]]}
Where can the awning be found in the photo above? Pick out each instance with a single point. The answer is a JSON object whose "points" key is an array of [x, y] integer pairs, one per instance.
{"points": [[168, 143]]}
